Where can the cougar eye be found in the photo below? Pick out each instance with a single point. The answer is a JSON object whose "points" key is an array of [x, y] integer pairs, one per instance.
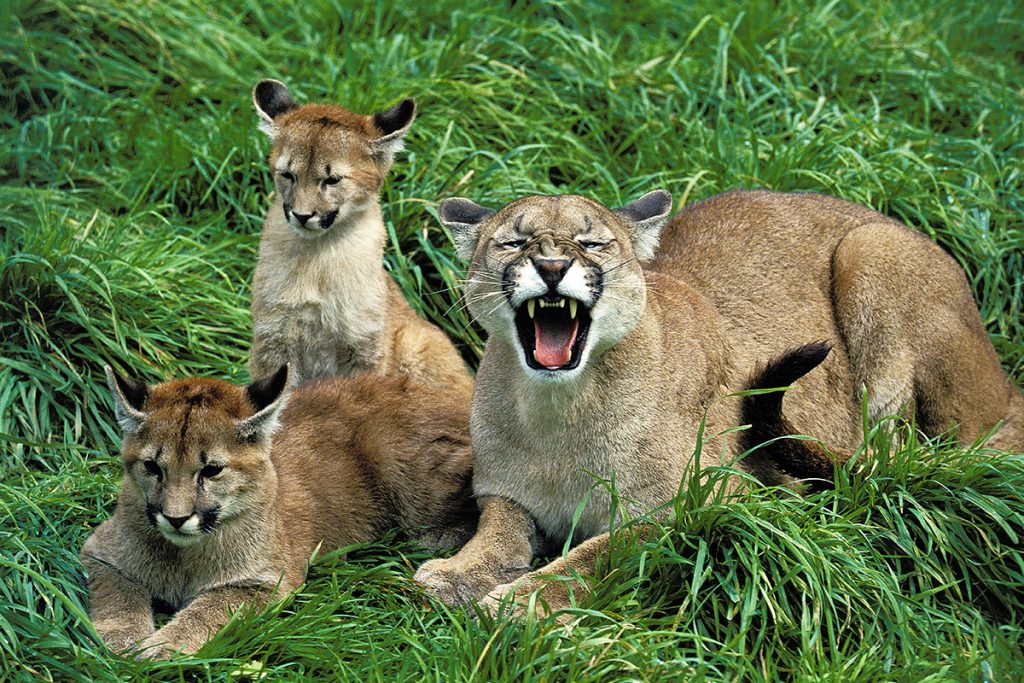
{"points": [[591, 245], [332, 180], [289, 176], [152, 468], [512, 244], [210, 471]]}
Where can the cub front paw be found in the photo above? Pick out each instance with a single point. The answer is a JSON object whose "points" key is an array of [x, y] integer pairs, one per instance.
{"points": [[456, 584]]}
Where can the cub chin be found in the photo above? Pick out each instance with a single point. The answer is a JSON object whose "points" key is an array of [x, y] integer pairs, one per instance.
{"points": [[321, 299], [613, 344], [215, 513]]}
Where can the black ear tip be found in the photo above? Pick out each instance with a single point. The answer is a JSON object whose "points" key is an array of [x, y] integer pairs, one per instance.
{"points": [[135, 391], [272, 97], [265, 88], [462, 210], [265, 390], [448, 206], [660, 198], [394, 119], [664, 195], [114, 379], [654, 204], [280, 379]]}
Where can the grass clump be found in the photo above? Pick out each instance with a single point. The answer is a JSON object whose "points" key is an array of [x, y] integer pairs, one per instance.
{"points": [[133, 182]]}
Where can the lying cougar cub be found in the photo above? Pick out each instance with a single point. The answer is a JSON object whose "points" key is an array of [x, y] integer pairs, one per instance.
{"points": [[211, 516], [597, 366], [321, 298]]}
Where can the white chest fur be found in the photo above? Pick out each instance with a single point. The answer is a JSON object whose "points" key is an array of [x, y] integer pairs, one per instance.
{"points": [[320, 302], [552, 449]]}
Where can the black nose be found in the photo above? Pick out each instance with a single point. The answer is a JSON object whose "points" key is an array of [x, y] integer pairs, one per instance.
{"points": [[176, 522], [302, 217], [551, 270]]}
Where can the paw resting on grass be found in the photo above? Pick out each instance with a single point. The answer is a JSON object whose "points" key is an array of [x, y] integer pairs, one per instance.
{"points": [[153, 648], [453, 587], [162, 645], [122, 641], [513, 599], [457, 585]]}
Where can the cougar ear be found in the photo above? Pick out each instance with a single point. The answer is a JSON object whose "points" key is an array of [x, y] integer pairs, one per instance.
{"points": [[271, 99], [393, 123], [129, 397], [268, 395], [646, 217], [463, 218]]}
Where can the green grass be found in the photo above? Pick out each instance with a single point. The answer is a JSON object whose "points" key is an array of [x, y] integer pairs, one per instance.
{"points": [[133, 187]]}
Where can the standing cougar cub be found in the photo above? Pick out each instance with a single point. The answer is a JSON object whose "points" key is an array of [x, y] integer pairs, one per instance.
{"points": [[598, 366], [321, 299], [212, 515]]}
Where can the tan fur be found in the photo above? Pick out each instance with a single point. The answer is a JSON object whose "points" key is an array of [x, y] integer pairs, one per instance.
{"points": [[354, 457], [739, 279], [322, 300]]}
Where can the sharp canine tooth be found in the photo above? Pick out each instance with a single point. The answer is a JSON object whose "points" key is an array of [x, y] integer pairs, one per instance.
{"points": [[572, 308], [531, 305]]}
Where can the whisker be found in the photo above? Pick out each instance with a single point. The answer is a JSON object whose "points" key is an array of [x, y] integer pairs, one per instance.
{"points": [[625, 262], [476, 318], [479, 298]]}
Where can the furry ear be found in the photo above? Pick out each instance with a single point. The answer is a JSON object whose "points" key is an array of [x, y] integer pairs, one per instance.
{"points": [[271, 99], [268, 395], [463, 218], [393, 123], [129, 397], [646, 217]]}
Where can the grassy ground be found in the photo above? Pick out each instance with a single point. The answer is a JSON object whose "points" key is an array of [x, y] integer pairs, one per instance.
{"points": [[133, 185]]}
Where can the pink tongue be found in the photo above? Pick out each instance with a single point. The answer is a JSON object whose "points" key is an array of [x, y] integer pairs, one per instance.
{"points": [[554, 343]]}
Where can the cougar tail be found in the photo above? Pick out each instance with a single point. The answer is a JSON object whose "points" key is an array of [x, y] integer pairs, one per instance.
{"points": [[798, 458]]}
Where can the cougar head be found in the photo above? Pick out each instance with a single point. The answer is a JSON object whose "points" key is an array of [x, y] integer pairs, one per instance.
{"points": [[328, 163], [196, 452], [559, 278]]}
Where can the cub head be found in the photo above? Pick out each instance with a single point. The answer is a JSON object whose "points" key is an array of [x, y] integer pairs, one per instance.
{"points": [[557, 278], [328, 163], [196, 452]]}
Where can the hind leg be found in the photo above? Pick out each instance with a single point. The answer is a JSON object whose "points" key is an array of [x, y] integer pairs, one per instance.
{"points": [[1010, 436], [913, 332]]}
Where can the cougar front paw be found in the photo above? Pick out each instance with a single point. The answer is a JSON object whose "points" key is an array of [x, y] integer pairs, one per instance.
{"points": [[502, 601], [172, 640], [455, 584], [121, 640], [153, 647], [512, 599]]}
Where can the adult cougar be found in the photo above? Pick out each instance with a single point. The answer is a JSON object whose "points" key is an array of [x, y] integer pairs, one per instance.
{"points": [[321, 299], [213, 515], [597, 366]]}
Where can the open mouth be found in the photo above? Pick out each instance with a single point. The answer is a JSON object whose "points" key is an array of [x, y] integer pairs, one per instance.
{"points": [[552, 330]]}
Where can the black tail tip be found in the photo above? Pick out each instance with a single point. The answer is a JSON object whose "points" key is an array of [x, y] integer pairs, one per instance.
{"points": [[791, 365]]}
